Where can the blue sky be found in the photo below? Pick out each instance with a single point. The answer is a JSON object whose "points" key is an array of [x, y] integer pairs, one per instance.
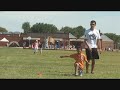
{"points": [[107, 21]]}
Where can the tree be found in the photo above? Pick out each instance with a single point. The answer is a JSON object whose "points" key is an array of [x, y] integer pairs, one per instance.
{"points": [[26, 27], [3, 29], [66, 29], [114, 37], [76, 31], [43, 28]]}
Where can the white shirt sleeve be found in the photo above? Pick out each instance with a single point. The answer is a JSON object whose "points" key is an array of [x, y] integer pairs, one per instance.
{"points": [[99, 37]]}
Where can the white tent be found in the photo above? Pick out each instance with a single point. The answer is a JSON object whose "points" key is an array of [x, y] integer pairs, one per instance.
{"points": [[13, 42], [4, 40]]}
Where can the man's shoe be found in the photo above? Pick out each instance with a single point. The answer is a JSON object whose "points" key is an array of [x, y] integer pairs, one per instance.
{"points": [[92, 72], [76, 74]]}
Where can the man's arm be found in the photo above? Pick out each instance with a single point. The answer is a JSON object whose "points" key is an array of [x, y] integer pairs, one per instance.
{"points": [[99, 42], [99, 45], [86, 44], [85, 40]]}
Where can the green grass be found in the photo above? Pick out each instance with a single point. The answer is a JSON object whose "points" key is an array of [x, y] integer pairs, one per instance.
{"points": [[17, 63]]}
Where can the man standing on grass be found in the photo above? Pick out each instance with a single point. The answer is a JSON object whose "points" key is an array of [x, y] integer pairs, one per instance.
{"points": [[92, 42]]}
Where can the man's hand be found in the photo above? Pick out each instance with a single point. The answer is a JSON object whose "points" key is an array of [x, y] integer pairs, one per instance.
{"points": [[90, 49], [88, 63]]}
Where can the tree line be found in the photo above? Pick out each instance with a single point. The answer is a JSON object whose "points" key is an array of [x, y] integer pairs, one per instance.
{"points": [[114, 37], [50, 28]]}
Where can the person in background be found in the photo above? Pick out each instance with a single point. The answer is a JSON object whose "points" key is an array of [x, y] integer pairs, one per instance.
{"points": [[35, 46], [24, 45], [40, 47]]}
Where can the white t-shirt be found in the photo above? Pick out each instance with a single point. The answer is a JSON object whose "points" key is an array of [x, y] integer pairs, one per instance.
{"points": [[92, 36]]}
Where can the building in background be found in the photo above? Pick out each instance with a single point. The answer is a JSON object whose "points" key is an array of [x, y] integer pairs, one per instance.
{"points": [[58, 40]]}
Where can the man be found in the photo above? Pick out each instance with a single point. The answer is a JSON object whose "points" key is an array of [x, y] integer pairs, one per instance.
{"points": [[92, 42]]}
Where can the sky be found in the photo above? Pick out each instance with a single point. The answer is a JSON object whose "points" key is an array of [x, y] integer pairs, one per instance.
{"points": [[106, 21]]}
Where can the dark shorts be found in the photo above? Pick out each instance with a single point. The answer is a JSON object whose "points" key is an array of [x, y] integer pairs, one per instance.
{"points": [[92, 54]]}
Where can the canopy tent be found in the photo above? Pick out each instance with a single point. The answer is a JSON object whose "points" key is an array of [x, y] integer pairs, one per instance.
{"points": [[13, 43], [4, 40]]}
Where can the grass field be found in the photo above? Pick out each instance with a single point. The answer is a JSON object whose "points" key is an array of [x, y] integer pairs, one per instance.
{"points": [[17, 63]]}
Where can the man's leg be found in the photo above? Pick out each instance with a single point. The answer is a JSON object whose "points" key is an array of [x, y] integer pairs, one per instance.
{"points": [[95, 56], [40, 50], [93, 65], [89, 55], [87, 66]]}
